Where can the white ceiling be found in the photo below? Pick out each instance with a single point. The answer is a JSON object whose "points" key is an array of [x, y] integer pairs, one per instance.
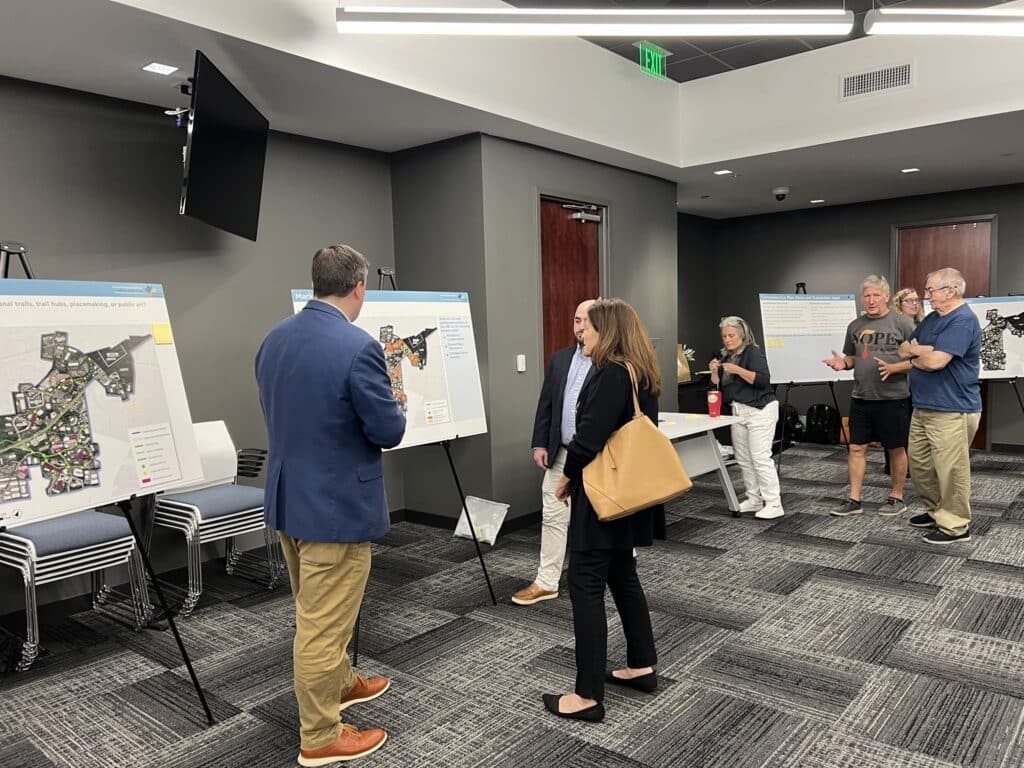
{"points": [[99, 46]]}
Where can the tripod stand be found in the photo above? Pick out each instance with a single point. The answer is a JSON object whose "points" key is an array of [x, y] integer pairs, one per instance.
{"points": [[9, 249]]}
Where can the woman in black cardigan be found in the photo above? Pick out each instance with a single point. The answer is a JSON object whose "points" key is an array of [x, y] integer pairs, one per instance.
{"points": [[602, 553]]}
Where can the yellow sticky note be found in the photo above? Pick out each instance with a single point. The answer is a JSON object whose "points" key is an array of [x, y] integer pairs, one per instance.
{"points": [[162, 333], [781, 342], [770, 342]]}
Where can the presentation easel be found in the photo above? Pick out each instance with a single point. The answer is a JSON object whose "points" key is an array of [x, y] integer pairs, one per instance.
{"points": [[6, 250]]}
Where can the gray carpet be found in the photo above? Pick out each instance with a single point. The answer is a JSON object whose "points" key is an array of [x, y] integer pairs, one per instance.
{"points": [[809, 641]]}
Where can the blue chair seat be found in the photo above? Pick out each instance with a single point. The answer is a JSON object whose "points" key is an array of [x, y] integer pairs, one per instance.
{"points": [[220, 500], [71, 532]]}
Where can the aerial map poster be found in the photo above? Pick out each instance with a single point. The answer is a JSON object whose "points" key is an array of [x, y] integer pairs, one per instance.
{"points": [[92, 405], [430, 353], [1002, 335]]}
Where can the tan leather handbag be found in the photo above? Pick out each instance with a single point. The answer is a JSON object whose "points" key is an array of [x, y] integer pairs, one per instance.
{"points": [[637, 468]]}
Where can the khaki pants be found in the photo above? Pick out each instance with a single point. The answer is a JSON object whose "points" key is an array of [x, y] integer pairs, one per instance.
{"points": [[554, 526], [328, 580], [940, 465]]}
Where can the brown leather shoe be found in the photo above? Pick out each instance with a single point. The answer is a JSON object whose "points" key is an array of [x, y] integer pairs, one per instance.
{"points": [[532, 594], [350, 744], [365, 689]]}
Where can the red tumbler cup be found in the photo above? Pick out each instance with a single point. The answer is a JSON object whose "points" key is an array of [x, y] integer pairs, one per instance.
{"points": [[714, 403]]}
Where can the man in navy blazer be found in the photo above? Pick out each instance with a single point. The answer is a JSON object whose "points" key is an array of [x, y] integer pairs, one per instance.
{"points": [[567, 371], [329, 410]]}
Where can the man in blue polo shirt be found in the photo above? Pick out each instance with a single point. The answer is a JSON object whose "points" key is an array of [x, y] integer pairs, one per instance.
{"points": [[944, 351]]}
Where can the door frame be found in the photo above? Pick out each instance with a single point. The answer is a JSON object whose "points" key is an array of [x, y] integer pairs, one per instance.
{"points": [[894, 242], [603, 245]]}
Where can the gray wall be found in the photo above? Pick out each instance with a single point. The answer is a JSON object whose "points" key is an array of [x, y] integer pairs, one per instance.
{"points": [[439, 246], [831, 249], [91, 185], [467, 218], [698, 321], [641, 234]]}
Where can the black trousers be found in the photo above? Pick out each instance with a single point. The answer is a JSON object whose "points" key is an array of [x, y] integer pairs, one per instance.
{"points": [[589, 573]]}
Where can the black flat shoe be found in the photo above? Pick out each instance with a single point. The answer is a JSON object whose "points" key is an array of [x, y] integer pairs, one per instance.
{"points": [[647, 683], [590, 714]]}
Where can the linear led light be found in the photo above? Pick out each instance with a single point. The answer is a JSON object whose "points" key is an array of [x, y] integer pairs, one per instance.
{"points": [[722, 172], [989, 22], [601, 22]]}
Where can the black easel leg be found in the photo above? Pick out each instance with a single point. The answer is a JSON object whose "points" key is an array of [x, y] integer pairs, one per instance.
{"points": [[472, 530], [126, 510], [835, 402], [782, 415], [1020, 402]]}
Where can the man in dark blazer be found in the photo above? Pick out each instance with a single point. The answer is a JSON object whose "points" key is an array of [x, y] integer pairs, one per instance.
{"points": [[567, 371], [329, 410]]}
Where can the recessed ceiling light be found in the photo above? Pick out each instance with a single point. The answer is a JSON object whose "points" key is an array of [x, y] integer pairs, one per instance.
{"points": [[910, 170], [722, 172], [816, 202], [160, 69]]}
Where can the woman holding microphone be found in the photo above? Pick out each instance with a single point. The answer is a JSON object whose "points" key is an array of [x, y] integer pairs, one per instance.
{"points": [[741, 373]]}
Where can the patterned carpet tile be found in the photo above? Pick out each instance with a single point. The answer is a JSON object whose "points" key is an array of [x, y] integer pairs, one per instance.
{"points": [[844, 750], [878, 594], [993, 615], [842, 630], [460, 588], [246, 679], [1005, 544], [990, 578], [550, 618], [18, 751], [716, 604], [948, 720], [383, 625], [711, 729], [988, 663], [767, 571], [901, 563], [811, 685], [240, 741]]}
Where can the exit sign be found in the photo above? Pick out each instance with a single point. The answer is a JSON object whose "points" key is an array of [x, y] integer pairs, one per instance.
{"points": [[652, 59]]}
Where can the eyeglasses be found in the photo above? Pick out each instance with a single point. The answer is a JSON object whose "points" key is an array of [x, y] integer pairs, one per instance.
{"points": [[930, 291]]}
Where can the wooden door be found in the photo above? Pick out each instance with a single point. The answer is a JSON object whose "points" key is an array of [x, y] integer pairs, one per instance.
{"points": [[570, 238], [962, 245]]}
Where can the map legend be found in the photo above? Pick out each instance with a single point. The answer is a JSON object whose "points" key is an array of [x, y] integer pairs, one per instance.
{"points": [[156, 461]]}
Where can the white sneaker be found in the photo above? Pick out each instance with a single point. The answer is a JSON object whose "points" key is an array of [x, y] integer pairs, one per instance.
{"points": [[770, 512], [751, 505]]}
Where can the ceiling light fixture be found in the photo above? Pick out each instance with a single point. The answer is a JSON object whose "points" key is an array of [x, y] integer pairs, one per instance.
{"points": [[723, 172], [910, 170], [160, 69], [596, 22], [816, 202], [989, 22]]}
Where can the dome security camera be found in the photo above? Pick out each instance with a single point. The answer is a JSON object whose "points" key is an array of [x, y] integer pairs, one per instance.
{"points": [[780, 193]]}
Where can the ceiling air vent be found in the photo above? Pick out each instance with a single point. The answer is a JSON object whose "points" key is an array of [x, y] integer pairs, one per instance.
{"points": [[876, 81]]}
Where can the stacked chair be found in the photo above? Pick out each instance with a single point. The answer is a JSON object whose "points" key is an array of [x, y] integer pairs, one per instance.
{"points": [[219, 508], [74, 545]]}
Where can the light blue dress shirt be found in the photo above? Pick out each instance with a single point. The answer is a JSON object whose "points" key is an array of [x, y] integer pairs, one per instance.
{"points": [[578, 370]]}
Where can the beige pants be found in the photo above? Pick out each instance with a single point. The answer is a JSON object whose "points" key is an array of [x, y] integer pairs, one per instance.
{"points": [[940, 465], [554, 526], [328, 580]]}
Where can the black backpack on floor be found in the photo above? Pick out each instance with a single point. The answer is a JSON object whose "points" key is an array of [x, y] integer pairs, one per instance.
{"points": [[823, 424], [789, 426]]}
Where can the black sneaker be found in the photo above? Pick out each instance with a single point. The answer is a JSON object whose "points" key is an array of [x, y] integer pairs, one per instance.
{"points": [[941, 537], [847, 508], [922, 521], [892, 507]]}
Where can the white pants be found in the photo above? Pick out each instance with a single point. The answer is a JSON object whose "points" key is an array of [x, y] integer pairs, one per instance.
{"points": [[554, 526], [752, 444]]}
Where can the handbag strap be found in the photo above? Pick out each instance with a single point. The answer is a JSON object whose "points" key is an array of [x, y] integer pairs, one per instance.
{"points": [[637, 413]]}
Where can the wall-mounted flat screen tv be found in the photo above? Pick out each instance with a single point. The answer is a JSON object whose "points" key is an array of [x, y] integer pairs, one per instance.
{"points": [[224, 154]]}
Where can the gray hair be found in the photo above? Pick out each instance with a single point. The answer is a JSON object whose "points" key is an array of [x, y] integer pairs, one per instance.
{"points": [[337, 270], [742, 327], [951, 277], [878, 282]]}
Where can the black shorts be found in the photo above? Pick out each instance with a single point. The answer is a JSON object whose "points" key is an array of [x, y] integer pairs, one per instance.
{"points": [[885, 421]]}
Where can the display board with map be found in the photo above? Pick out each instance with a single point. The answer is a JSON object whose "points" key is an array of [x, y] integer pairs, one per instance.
{"points": [[1002, 335], [92, 405], [430, 352]]}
